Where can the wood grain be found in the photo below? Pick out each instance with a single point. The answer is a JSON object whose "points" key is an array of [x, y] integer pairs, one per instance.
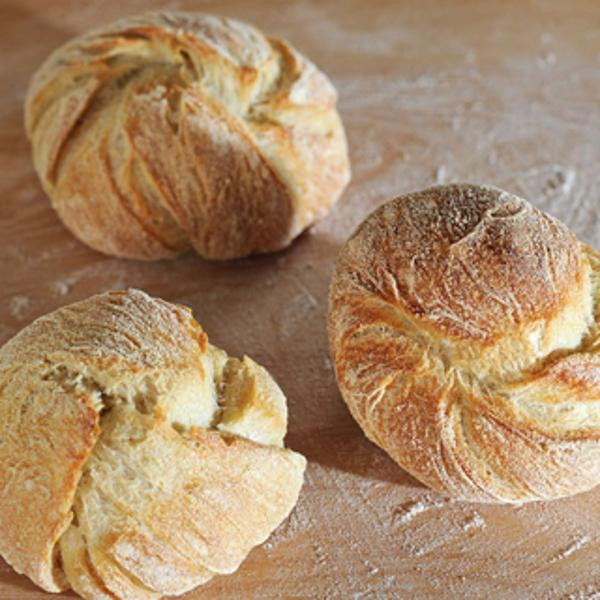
{"points": [[506, 93]]}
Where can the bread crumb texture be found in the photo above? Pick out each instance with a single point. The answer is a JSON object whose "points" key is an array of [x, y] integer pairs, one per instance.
{"points": [[136, 459], [168, 131], [464, 330]]}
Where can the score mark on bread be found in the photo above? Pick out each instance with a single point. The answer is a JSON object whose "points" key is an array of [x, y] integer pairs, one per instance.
{"points": [[168, 131], [136, 459], [464, 330]]}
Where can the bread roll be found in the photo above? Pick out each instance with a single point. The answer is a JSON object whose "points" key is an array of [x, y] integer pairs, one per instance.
{"points": [[464, 329], [136, 459], [167, 130]]}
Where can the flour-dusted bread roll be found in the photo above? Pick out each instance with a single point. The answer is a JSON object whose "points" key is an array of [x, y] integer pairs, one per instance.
{"points": [[166, 131], [136, 460], [464, 329]]}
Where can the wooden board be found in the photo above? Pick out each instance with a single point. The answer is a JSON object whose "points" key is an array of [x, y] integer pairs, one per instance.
{"points": [[500, 92]]}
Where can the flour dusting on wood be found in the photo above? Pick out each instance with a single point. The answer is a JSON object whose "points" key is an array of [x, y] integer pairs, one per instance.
{"points": [[576, 545], [507, 96], [20, 306]]}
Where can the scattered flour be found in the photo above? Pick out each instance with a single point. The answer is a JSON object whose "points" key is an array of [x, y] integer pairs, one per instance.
{"points": [[62, 287], [20, 306], [588, 593], [320, 553], [410, 510], [548, 59], [499, 561], [476, 521], [441, 174], [579, 543], [548, 180]]}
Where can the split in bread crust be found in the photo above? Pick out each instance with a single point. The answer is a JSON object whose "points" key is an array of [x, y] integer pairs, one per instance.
{"points": [[464, 326], [167, 130], [136, 459]]}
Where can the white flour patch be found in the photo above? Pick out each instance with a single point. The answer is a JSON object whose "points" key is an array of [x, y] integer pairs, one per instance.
{"points": [[379, 591], [62, 287], [579, 543], [476, 521], [20, 306], [410, 510], [441, 174], [548, 59], [320, 553], [588, 593]]}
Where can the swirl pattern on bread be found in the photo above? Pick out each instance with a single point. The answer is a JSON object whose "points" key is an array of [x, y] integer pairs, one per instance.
{"points": [[464, 329], [136, 459], [166, 131]]}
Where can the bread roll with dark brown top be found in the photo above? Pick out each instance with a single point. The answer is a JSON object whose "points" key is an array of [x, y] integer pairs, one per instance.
{"points": [[168, 130], [463, 325], [136, 459]]}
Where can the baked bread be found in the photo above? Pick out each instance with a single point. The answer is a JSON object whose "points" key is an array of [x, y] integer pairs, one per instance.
{"points": [[464, 329], [167, 130], [136, 459]]}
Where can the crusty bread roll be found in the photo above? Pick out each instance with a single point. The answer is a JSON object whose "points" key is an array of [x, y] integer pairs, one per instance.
{"points": [[166, 131], [136, 459], [464, 329]]}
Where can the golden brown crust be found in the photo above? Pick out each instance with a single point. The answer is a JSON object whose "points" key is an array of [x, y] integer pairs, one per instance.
{"points": [[136, 459], [463, 325], [170, 130]]}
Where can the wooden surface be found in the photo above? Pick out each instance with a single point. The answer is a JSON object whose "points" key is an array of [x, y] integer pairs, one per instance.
{"points": [[501, 92]]}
